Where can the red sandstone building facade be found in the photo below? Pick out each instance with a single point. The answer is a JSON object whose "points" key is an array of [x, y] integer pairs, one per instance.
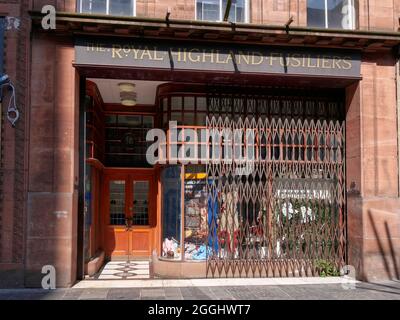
{"points": [[314, 82]]}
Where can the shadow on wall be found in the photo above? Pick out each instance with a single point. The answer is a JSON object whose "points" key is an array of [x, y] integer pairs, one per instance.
{"points": [[389, 257]]}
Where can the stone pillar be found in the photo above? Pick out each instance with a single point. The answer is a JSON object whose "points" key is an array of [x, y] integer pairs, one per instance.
{"points": [[13, 160], [372, 171], [53, 162]]}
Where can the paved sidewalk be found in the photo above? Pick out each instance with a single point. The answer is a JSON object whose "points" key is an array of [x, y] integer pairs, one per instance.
{"points": [[363, 291]]}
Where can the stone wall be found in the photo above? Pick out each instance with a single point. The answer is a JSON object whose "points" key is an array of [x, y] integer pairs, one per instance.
{"points": [[53, 166], [13, 165], [372, 171]]}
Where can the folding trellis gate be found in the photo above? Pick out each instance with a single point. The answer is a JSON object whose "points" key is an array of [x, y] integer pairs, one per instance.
{"points": [[276, 196]]}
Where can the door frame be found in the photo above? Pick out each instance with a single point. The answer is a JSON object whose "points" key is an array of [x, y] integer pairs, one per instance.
{"points": [[145, 234]]}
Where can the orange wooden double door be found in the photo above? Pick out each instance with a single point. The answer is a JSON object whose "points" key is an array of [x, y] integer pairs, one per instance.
{"points": [[129, 212]]}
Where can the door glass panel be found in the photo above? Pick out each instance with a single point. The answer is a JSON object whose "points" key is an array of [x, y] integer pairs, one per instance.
{"points": [[125, 140], [141, 203], [133, 121], [117, 202]]}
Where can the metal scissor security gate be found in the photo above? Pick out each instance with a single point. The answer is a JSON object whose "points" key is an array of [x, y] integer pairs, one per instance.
{"points": [[278, 209]]}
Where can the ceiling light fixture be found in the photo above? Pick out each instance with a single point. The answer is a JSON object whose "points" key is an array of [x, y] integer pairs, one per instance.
{"points": [[128, 94]]}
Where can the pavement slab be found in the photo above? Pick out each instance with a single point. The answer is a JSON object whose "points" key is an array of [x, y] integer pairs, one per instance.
{"points": [[389, 290]]}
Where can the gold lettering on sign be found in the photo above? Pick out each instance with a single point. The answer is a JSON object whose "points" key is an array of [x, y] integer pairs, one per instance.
{"points": [[275, 59], [135, 53], [218, 58], [89, 46], [116, 51], [176, 54], [304, 61], [146, 53], [326, 62], [208, 55], [274, 56], [346, 63], [96, 47], [245, 57], [318, 61], [336, 62], [126, 49], [101, 47], [309, 62], [229, 57], [254, 57], [181, 54], [156, 57], [295, 60], [190, 55]]}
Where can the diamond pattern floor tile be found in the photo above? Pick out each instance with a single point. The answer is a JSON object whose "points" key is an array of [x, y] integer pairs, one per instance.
{"points": [[125, 270]]}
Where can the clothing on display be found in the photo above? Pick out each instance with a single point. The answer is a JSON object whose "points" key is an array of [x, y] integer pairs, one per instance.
{"points": [[229, 221], [171, 248], [195, 219]]}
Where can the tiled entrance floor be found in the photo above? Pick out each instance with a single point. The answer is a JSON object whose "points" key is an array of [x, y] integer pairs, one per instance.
{"points": [[125, 270]]}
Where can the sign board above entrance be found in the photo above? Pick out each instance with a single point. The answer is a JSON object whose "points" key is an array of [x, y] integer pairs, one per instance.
{"points": [[136, 53]]}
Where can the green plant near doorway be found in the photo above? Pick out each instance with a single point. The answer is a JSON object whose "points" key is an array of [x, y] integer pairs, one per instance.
{"points": [[326, 268]]}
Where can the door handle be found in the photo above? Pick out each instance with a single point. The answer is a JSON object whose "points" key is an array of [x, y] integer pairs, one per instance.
{"points": [[128, 223]]}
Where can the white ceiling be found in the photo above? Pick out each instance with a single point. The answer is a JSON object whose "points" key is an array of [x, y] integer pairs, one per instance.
{"points": [[109, 90]]}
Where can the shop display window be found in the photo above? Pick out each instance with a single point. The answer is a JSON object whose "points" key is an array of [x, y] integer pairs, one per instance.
{"points": [[195, 216], [171, 212]]}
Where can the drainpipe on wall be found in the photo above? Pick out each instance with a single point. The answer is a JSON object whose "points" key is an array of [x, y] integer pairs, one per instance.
{"points": [[227, 10]]}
